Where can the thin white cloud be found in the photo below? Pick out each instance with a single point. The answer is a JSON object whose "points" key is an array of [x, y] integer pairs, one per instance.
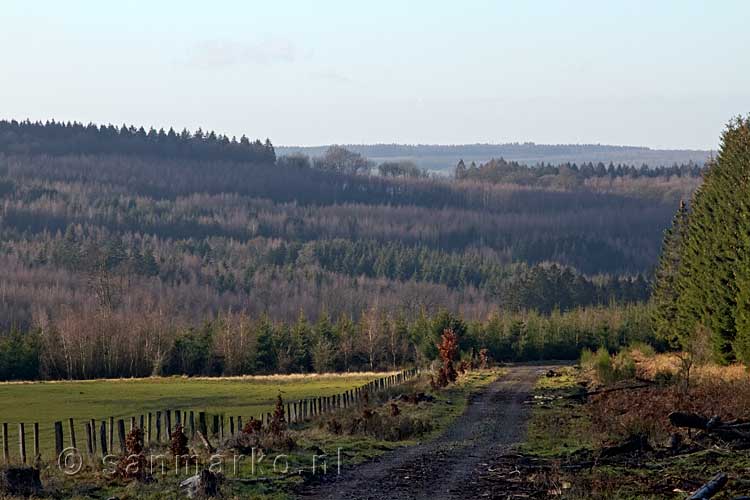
{"points": [[333, 76], [224, 53]]}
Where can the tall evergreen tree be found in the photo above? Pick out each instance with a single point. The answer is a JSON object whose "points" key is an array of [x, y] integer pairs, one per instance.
{"points": [[665, 293], [710, 279]]}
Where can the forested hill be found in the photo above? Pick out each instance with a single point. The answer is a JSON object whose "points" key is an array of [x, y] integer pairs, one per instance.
{"points": [[55, 138], [105, 230], [444, 157]]}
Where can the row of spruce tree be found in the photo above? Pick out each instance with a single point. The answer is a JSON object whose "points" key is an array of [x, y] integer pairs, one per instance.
{"points": [[702, 284]]}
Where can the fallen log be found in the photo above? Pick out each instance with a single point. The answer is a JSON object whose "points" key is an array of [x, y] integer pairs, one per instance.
{"points": [[712, 425], [633, 444], [688, 420], [711, 488], [205, 442]]}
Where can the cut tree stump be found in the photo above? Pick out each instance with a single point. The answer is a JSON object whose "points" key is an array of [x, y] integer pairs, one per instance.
{"points": [[20, 481], [205, 484]]}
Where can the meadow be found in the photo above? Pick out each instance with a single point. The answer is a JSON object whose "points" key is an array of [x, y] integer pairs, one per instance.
{"points": [[47, 402]]}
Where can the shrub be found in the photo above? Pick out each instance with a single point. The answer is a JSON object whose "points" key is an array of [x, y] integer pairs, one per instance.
{"points": [[244, 442], [610, 369], [133, 465], [484, 359], [178, 442], [602, 365], [252, 426], [277, 426], [624, 366], [644, 349], [665, 377], [587, 358]]}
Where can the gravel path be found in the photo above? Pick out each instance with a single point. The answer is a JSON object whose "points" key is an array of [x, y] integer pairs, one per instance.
{"points": [[447, 467]]}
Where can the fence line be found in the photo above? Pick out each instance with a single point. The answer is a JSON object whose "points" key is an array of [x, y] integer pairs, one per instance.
{"points": [[296, 412]]}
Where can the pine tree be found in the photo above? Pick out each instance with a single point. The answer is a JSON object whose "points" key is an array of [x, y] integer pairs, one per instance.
{"points": [[461, 170], [665, 293], [265, 358], [742, 269], [711, 281]]}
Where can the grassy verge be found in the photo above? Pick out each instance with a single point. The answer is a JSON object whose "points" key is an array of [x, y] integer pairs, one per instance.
{"points": [[333, 436], [558, 426]]}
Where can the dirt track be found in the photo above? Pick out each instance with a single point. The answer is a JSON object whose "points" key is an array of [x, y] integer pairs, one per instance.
{"points": [[448, 467]]}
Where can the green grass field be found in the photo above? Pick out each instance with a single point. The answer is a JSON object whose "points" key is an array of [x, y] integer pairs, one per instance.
{"points": [[47, 402]]}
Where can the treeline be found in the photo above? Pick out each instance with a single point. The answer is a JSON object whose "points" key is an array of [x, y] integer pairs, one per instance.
{"points": [[112, 345], [702, 292], [512, 172], [442, 157], [57, 138]]}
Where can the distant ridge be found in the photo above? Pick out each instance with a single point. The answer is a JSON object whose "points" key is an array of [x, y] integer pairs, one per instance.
{"points": [[445, 157]]}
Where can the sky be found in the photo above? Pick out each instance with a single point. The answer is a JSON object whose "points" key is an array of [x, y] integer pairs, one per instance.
{"points": [[664, 74]]}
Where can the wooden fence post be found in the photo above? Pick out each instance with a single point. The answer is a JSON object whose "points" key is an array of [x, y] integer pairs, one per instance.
{"points": [[168, 424], [58, 439], [149, 424], [72, 428], [6, 451], [103, 437], [239, 424], [215, 425], [178, 418], [22, 442], [111, 434], [92, 426], [88, 439], [158, 427], [202, 425], [37, 454], [192, 424], [132, 423], [121, 434]]}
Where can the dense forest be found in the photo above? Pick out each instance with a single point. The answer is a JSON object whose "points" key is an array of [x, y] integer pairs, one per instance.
{"points": [[501, 171], [129, 252], [702, 287]]}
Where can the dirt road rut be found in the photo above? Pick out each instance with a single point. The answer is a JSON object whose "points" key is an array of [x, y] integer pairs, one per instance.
{"points": [[448, 467]]}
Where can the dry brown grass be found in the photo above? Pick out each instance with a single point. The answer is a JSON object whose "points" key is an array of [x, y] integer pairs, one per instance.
{"points": [[714, 390]]}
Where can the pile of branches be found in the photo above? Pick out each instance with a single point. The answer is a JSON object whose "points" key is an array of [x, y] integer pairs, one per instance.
{"points": [[734, 433]]}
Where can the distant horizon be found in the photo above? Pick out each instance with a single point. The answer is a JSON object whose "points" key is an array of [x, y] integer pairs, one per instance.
{"points": [[344, 144], [509, 143]]}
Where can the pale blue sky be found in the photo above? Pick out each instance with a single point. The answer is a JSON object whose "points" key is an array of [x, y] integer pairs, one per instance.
{"points": [[661, 74]]}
